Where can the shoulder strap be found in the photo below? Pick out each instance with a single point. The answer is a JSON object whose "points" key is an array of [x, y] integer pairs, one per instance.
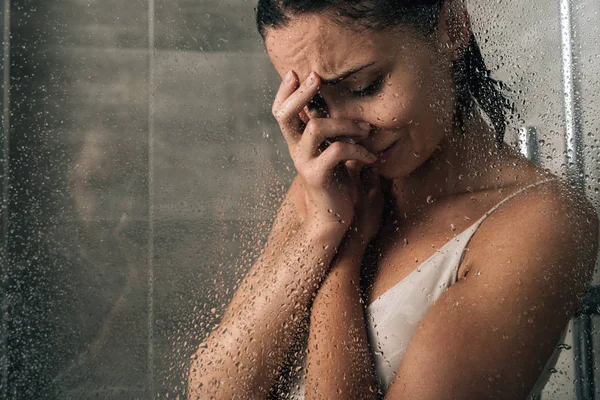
{"points": [[517, 192]]}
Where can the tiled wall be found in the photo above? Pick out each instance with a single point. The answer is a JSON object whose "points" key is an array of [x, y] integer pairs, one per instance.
{"points": [[79, 150], [127, 229], [144, 184]]}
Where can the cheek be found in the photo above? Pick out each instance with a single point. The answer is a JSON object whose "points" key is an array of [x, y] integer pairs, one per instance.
{"points": [[395, 107]]}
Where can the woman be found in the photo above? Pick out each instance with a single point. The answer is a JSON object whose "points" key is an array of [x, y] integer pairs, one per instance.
{"points": [[470, 259]]}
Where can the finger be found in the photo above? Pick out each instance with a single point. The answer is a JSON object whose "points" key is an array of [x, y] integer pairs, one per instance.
{"points": [[351, 164], [340, 151], [354, 168], [304, 116], [289, 106], [320, 129], [288, 86]]}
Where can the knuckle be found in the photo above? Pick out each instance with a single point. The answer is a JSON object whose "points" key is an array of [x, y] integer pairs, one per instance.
{"points": [[277, 112], [298, 165], [314, 178], [302, 166], [312, 127], [337, 148]]}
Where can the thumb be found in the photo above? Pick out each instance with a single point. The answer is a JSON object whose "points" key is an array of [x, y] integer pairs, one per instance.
{"points": [[354, 169]]}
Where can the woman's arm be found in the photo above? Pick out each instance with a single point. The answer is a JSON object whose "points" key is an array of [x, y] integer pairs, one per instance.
{"points": [[339, 361], [240, 358]]}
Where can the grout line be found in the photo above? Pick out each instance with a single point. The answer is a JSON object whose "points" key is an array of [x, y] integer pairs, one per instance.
{"points": [[5, 359], [150, 298]]}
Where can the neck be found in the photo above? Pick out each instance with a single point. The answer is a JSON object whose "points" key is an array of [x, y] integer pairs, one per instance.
{"points": [[455, 167]]}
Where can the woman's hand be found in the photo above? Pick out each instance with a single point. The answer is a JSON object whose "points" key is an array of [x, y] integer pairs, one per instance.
{"points": [[339, 361], [368, 212], [331, 192]]}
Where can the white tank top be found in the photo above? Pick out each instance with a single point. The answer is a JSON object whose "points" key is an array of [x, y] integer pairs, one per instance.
{"points": [[393, 317]]}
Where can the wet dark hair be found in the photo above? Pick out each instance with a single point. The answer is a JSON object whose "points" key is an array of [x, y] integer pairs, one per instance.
{"points": [[473, 82]]}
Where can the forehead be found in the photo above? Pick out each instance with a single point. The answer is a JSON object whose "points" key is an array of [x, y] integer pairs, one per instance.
{"points": [[315, 43]]}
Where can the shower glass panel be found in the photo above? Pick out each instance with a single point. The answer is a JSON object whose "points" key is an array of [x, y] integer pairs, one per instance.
{"points": [[142, 169]]}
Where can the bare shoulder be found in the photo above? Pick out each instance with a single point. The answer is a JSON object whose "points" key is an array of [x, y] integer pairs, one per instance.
{"points": [[552, 218], [529, 264]]}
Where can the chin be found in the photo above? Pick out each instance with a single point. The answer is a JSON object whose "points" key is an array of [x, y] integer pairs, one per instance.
{"points": [[401, 166]]}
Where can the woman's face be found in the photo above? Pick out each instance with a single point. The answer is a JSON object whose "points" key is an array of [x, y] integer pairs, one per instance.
{"points": [[402, 86]]}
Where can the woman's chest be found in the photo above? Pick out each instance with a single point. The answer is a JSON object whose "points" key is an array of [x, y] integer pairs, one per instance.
{"points": [[403, 247]]}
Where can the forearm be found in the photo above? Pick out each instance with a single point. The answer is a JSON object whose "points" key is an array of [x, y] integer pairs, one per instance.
{"points": [[339, 361], [261, 323]]}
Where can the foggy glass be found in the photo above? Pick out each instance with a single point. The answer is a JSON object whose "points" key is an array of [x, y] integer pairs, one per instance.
{"points": [[142, 170]]}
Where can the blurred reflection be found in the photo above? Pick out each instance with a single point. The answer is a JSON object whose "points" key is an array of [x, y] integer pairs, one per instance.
{"points": [[112, 249]]}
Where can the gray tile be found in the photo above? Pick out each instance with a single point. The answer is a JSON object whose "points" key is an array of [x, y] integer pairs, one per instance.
{"points": [[212, 153], [100, 151], [92, 392], [197, 266], [79, 148], [86, 308], [99, 83], [107, 23], [207, 26]]}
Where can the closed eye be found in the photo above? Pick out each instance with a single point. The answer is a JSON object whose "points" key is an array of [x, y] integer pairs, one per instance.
{"points": [[370, 90]]}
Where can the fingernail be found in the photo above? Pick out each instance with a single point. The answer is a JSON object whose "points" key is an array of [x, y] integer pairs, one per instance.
{"points": [[365, 126], [311, 79], [288, 77]]}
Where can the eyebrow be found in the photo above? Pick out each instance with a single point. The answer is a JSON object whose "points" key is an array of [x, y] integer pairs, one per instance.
{"points": [[343, 76]]}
